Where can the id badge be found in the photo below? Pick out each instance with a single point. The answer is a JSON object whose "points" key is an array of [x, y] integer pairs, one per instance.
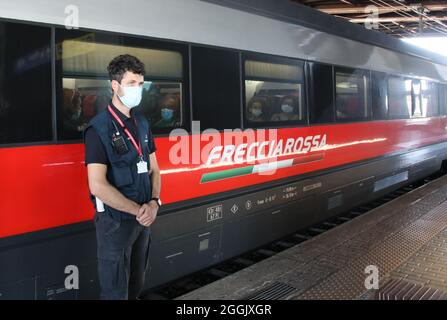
{"points": [[142, 167]]}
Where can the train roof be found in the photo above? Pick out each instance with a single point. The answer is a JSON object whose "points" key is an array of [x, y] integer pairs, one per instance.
{"points": [[287, 11], [271, 27]]}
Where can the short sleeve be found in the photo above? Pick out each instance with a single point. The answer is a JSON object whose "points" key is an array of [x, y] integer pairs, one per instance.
{"points": [[152, 147], [94, 148]]}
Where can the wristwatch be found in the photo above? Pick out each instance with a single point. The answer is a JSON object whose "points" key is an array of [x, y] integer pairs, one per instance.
{"points": [[157, 200]]}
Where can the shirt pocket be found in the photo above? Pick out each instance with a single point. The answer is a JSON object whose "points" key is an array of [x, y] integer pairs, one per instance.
{"points": [[122, 173]]}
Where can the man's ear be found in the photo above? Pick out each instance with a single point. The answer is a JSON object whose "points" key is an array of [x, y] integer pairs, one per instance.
{"points": [[115, 85]]}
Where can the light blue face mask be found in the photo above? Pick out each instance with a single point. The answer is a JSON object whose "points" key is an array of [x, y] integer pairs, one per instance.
{"points": [[167, 113], [256, 112], [132, 96], [287, 108]]}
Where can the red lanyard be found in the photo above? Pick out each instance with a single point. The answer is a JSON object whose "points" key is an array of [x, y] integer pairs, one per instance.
{"points": [[132, 139]]}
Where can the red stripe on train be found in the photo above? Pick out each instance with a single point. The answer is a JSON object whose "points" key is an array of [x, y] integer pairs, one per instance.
{"points": [[46, 186]]}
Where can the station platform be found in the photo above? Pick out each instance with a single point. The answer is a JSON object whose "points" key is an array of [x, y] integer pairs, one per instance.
{"points": [[404, 239]]}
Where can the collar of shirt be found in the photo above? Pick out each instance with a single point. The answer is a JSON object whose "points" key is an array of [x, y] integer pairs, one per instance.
{"points": [[121, 115], [128, 122]]}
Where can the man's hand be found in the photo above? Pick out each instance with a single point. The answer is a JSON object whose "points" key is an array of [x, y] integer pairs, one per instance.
{"points": [[147, 213]]}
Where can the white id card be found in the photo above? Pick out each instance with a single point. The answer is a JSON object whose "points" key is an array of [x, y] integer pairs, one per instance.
{"points": [[142, 167], [99, 205]]}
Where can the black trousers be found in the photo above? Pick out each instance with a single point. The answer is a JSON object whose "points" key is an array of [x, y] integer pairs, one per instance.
{"points": [[123, 254]]}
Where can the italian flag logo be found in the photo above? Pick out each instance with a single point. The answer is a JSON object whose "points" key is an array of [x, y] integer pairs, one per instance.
{"points": [[259, 168]]}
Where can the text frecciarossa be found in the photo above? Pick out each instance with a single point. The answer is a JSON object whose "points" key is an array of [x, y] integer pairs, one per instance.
{"points": [[259, 150]]}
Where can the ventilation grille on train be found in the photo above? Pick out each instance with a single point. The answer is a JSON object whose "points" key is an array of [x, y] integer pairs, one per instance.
{"points": [[275, 291]]}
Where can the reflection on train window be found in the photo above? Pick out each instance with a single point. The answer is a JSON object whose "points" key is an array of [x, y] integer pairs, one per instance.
{"points": [[351, 96], [399, 97], [429, 98], [84, 56], [417, 110], [273, 92], [86, 88]]}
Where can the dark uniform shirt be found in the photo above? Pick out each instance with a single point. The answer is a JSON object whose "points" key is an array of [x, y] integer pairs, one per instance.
{"points": [[95, 151]]}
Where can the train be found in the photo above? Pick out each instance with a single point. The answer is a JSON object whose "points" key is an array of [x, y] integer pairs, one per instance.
{"points": [[268, 117]]}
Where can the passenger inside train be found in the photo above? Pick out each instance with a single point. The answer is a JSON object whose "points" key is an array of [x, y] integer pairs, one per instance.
{"points": [[288, 110], [74, 120], [255, 110], [169, 111], [272, 101], [83, 99], [161, 104]]}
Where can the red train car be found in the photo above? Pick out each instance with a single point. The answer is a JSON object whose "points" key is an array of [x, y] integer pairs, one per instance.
{"points": [[270, 132]]}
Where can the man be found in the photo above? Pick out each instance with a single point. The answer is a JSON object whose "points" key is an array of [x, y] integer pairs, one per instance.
{"points": [[124, 182]]}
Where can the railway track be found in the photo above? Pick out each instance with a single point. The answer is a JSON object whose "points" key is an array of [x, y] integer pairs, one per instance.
{"points": [[204, 277]]}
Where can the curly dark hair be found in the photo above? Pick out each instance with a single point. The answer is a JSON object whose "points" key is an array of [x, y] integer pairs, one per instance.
{"points": [[122, 63]]}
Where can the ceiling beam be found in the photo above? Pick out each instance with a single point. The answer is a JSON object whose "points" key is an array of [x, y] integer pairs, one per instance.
{"points": [[396, 19], [346, 9]]}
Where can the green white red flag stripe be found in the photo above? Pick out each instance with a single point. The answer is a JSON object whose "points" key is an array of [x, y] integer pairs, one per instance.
{"points": [[258, 168]]}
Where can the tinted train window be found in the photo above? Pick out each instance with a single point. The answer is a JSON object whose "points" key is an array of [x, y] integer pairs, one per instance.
{"points": [[351, 95], [216, 88], [430, 98], [25, 83], [82, 68], [273, 93], [321, 93], [399, 98], [417, 105], [379, 93]]}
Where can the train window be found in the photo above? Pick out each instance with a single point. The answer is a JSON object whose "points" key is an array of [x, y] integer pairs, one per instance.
{"points": [[379, 85], [417, 106], [430, 98], [321, 93], [274, 93], [82, 60], [351, 95], [25, 83], [216, 91], [399, 98]]}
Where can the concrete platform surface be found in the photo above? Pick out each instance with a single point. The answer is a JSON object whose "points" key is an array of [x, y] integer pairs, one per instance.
{"points": [[401, 246]]}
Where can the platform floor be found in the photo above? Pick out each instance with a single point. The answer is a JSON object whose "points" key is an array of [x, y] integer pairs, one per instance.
{"points": [[406, 239]]}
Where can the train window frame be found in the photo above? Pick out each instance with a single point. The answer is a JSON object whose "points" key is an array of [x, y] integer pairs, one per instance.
{"points": [[367, 89], [36, 127], [442, 96], [404, 78], [259, 57], [199, 100], [102, 37], [309, 77], [379, 79]]}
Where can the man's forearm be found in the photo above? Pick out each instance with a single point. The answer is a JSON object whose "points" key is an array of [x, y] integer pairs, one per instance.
{"points": [[156, 184], [115, 199]]}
